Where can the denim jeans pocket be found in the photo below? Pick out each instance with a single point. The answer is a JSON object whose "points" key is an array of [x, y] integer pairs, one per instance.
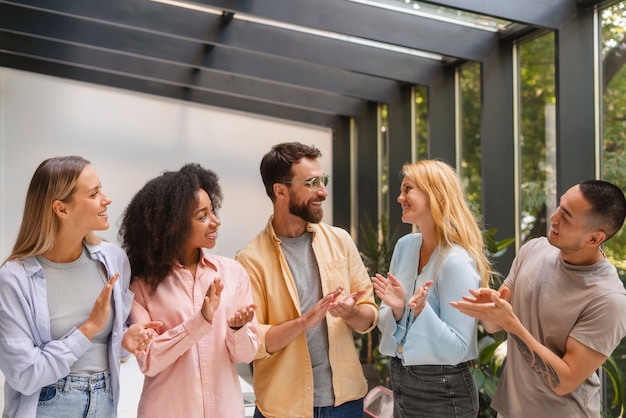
{"points": [[48, 394]]}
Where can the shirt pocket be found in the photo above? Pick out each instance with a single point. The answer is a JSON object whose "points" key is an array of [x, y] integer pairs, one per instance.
{"points": [[336, 273]]}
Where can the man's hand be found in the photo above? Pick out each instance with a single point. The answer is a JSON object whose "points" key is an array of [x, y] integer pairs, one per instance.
{"points": [[280, 335], [347, 307], [318, 312], [491, 307]]}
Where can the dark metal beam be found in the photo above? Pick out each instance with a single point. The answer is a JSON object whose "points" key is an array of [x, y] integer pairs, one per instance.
{"points": [[575, 107], [193, 53], [400, 122], [498, 148], [367, 173], [547, 14], [177, 75], [166, 90], [342, 174], [156, 18], [369, 22], [441, 121]]}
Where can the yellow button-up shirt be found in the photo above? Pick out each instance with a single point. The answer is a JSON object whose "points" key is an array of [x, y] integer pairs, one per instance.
{"points": [[283, 381]]}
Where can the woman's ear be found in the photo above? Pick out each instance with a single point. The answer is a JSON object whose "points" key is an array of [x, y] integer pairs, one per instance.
{"points": [[59, 208]]}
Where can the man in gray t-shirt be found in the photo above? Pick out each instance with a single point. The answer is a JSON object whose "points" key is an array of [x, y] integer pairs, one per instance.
{"points": [[563, 307]]}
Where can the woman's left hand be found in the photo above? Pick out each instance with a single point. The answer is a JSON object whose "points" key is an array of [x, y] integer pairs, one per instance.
{"points": [[417, 302], [242, 317], [138, 336]]}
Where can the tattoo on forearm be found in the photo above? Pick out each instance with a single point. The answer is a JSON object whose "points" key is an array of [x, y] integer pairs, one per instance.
{"points": [[543, 369]]}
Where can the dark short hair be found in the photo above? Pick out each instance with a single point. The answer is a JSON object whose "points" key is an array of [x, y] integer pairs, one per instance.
{"points": [[608, 205], [276, 164]]}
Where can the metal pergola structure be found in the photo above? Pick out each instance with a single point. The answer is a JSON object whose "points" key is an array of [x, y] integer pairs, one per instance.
{"points": [[331, 63]]}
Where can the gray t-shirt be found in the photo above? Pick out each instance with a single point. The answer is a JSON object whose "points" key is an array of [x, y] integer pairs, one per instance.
{"points": [[305, 271], [72, 289], [555, 300]]}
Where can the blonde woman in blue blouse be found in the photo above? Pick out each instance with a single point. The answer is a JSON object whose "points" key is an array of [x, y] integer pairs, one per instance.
{"points": [[429, 341]]}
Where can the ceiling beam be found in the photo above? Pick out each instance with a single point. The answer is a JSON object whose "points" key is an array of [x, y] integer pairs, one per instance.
{"points": [[248, 105], [369, 22], [135, 67], [194, 54], [545, 14], [165, 20]]}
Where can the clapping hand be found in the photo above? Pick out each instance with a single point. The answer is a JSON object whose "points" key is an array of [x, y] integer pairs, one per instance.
{"points": [[242, 317]]}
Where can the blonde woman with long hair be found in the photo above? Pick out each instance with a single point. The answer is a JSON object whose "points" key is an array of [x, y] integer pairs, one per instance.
{"points": [[64, 300], [429, 341]]}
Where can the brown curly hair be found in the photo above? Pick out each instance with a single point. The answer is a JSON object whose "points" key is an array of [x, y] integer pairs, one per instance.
{"points": [[157, 222]]}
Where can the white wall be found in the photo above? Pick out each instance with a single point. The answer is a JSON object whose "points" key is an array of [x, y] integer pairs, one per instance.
{"points": [[130, 138]]}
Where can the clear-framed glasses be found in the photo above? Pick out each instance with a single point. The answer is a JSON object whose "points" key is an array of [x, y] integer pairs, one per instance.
{"points": [[314, 183]]}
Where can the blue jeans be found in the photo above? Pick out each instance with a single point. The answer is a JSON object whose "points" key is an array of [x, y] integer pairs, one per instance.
{"points": [[78, 397], [352, 409], [433, 391]]}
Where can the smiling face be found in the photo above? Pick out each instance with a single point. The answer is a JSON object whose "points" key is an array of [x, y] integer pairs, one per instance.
{"points": [[569, 231], [304, 202], [86, 207], [414, 202], [204, 224]]}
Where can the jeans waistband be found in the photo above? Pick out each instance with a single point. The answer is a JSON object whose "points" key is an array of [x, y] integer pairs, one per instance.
{"points": [[95, 381], [436, 368]]}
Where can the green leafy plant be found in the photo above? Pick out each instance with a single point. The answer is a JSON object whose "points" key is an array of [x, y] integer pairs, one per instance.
{"points": [[487, 368], [376, 252]]}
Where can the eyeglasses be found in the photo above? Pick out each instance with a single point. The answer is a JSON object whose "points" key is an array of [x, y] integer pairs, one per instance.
{"points": [[314, 183]]}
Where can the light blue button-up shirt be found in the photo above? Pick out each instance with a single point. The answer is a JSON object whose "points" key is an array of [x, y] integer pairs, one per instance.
{"points": [[29, 358], [440, 334]]}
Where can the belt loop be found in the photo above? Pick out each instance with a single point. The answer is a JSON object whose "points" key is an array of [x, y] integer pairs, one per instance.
{"points": [[107, 382], [66, 384]]}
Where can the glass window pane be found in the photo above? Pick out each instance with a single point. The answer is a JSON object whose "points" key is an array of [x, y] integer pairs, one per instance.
{"points": [[471, 153], [537, 136], [614, 114], [420, 138], [614, 141]]}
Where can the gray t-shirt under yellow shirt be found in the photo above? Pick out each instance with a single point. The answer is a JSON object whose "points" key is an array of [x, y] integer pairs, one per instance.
{"points": [[72, 289], [305, 272]]}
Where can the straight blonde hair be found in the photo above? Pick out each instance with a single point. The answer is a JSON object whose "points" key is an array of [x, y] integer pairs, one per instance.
{"points": [[454, 221], [54, 179]]}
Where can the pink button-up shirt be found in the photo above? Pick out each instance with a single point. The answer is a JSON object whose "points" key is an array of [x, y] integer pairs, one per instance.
{"points": [[189, 368]]}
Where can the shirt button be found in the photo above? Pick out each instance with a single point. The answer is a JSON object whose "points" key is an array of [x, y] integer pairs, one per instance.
{"points": [[308, 388]]}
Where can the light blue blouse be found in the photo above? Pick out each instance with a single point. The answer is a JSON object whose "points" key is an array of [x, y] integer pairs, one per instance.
{"points": [[29, 358], [440, 334]]}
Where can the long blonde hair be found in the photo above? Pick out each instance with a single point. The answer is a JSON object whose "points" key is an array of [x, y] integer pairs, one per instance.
{"points": [[454, 221], [54, 179]]}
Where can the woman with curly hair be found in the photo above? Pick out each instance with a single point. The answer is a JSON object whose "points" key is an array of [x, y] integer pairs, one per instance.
{"points": [[203, 300], [64, 300], [429, 341]]}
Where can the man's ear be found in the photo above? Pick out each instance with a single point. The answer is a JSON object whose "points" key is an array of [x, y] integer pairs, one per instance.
{"points": [[596, 237], [280, 190], [60, 209]]}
